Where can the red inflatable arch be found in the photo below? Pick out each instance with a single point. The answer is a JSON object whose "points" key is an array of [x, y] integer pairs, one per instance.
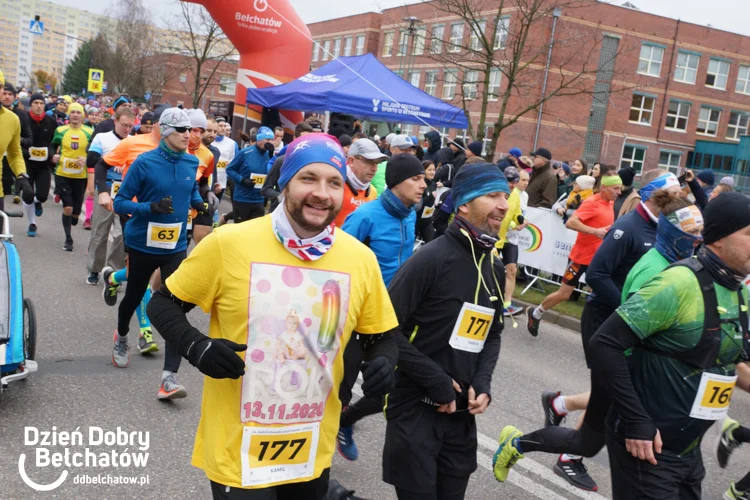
{"points": [[274, 46]]}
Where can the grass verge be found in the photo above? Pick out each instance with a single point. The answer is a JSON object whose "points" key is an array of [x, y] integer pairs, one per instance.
{"points": [[534, 296]]}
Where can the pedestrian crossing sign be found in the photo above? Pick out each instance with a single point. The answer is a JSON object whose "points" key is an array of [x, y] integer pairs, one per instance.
{"points": [[36, 27], [96, 78]]}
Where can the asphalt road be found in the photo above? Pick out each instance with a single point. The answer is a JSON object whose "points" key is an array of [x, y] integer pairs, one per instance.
{"points": [[78, 388]]}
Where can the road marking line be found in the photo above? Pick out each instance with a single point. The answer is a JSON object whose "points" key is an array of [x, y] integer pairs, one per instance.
{"points": [[540, 470], [526, 464], [520, 481]]}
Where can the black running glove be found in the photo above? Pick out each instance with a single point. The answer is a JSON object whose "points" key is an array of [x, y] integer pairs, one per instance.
{"points": [[27, 192], [217, 358], [163, 206], [248, 182], [379, 377], [201, 208]]}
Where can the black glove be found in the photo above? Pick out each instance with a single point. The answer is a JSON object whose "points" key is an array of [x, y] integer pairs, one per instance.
{"points": [[163, 206], [27, 193], [202, 209], [217, 358], [269, 148], [379, 377], [520, 219], [248, 182]]}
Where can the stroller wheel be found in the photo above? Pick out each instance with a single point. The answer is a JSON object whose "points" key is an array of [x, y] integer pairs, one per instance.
{"points": [[29, 328]]}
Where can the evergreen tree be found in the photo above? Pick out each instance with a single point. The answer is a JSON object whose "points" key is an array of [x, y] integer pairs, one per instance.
{"points": [[76, 75]]}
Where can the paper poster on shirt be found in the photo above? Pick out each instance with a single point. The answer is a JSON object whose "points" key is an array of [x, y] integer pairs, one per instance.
{"points": [[296, 318]]}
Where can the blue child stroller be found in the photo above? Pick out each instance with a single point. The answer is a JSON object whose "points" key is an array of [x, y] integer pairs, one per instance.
{"points": [[17, 316]]}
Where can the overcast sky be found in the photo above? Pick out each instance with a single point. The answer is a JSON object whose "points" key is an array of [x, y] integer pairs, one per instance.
{"points": [[729, 15]]}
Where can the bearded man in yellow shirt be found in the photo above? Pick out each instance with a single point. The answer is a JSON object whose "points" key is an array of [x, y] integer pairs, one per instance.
{"points": [[285, 293]]}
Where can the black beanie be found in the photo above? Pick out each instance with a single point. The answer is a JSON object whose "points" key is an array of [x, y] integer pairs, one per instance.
{"points": [[10, 88], [724, 215], [401, 167], [37, 97], [627, 175]]}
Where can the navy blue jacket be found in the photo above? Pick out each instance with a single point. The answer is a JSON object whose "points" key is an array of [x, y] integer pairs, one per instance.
{"points": [[631, 236], [247, 162], [151, 177]]}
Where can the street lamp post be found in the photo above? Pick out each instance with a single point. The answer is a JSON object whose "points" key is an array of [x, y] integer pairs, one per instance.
{"points": [[407, 59]]}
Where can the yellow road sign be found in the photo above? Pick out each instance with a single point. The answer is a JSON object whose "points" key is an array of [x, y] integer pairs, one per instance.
{"points": [[96, 77]]}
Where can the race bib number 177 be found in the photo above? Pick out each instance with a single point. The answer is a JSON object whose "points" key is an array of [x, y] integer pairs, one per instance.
{"points": [[276, 454]]}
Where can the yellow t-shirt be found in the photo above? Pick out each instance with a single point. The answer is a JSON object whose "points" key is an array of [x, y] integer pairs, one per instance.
{"points": [[73, 144], [278, 423]]}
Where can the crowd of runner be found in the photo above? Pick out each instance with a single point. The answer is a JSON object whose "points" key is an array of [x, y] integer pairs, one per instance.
{"points": [[396, 259]]}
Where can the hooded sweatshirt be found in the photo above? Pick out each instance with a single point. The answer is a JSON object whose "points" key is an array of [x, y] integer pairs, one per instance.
{"points": [[427, 311], [434, 138]]}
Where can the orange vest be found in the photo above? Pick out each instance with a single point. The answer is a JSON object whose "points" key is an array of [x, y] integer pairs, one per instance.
{"points": [[352, 201]]}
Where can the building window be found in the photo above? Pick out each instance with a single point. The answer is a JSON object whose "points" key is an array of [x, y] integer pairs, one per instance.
{"points": [[650, 60], [414, 78], [670, 161], [493, 90], [449, 83], [387, 44], [678, 115], [336, 48], [501, 35], [642, 109], [183, 78], [348, 46], [687, 67], [419, 37], [430, 82], [406, 129], [633, 156], [457, 37], [403, 43], [436, 44], [743, 80], [315, 51], [227, 85], [718, 74], [738, 124], [708, 121], [471, 81], [326, 49], [360, 45], [477, 35]]}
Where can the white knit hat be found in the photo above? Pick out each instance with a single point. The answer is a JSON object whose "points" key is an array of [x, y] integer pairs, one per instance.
{"points": [[585, 182], [171, 118], [197, 118]]}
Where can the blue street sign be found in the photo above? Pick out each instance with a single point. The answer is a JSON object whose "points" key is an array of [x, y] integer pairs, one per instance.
{"points": [[36, 27]]}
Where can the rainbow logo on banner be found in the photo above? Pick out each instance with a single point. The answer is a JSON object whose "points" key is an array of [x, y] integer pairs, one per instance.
{"points": [[536, 238]]}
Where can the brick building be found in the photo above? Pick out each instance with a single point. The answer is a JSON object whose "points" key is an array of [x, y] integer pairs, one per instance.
{"points": [[669, 83], [172, 78]]}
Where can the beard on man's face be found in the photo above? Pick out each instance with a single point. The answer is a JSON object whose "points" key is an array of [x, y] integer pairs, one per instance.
{"points": [[296, 212]]}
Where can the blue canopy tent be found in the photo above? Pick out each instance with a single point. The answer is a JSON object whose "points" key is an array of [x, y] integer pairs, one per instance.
{"points": [[342, 86]]}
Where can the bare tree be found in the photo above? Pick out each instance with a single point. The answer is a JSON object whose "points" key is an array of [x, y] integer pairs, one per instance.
{"points": [[198, 37], [129, 47], [499, 56]]}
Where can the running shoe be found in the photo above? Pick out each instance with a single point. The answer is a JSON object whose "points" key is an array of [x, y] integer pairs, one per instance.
{"points": [[575, 473], [507, 454], [93, 279], [16, 200], [31, 231], [170, 389], [726, 443], [120, 353], [222, 219], [146, 344], [512, 311], [68, 245], [87, 224], [57, 198], [337, 491], [734, 494], [551, 418], [109, 292], [532, 324], [346, 445], [38, 208]]}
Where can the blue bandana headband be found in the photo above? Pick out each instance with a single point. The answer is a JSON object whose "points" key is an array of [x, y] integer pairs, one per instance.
{"points": [[476, 180], [312, 148], [665, 181], [674, 243]]}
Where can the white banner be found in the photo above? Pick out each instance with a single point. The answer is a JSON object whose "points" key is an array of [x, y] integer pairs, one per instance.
{"points": [[545, 243]]}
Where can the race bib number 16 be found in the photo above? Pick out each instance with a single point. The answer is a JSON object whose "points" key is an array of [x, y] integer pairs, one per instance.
{"points": [[276, 454], [713, 397]]}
